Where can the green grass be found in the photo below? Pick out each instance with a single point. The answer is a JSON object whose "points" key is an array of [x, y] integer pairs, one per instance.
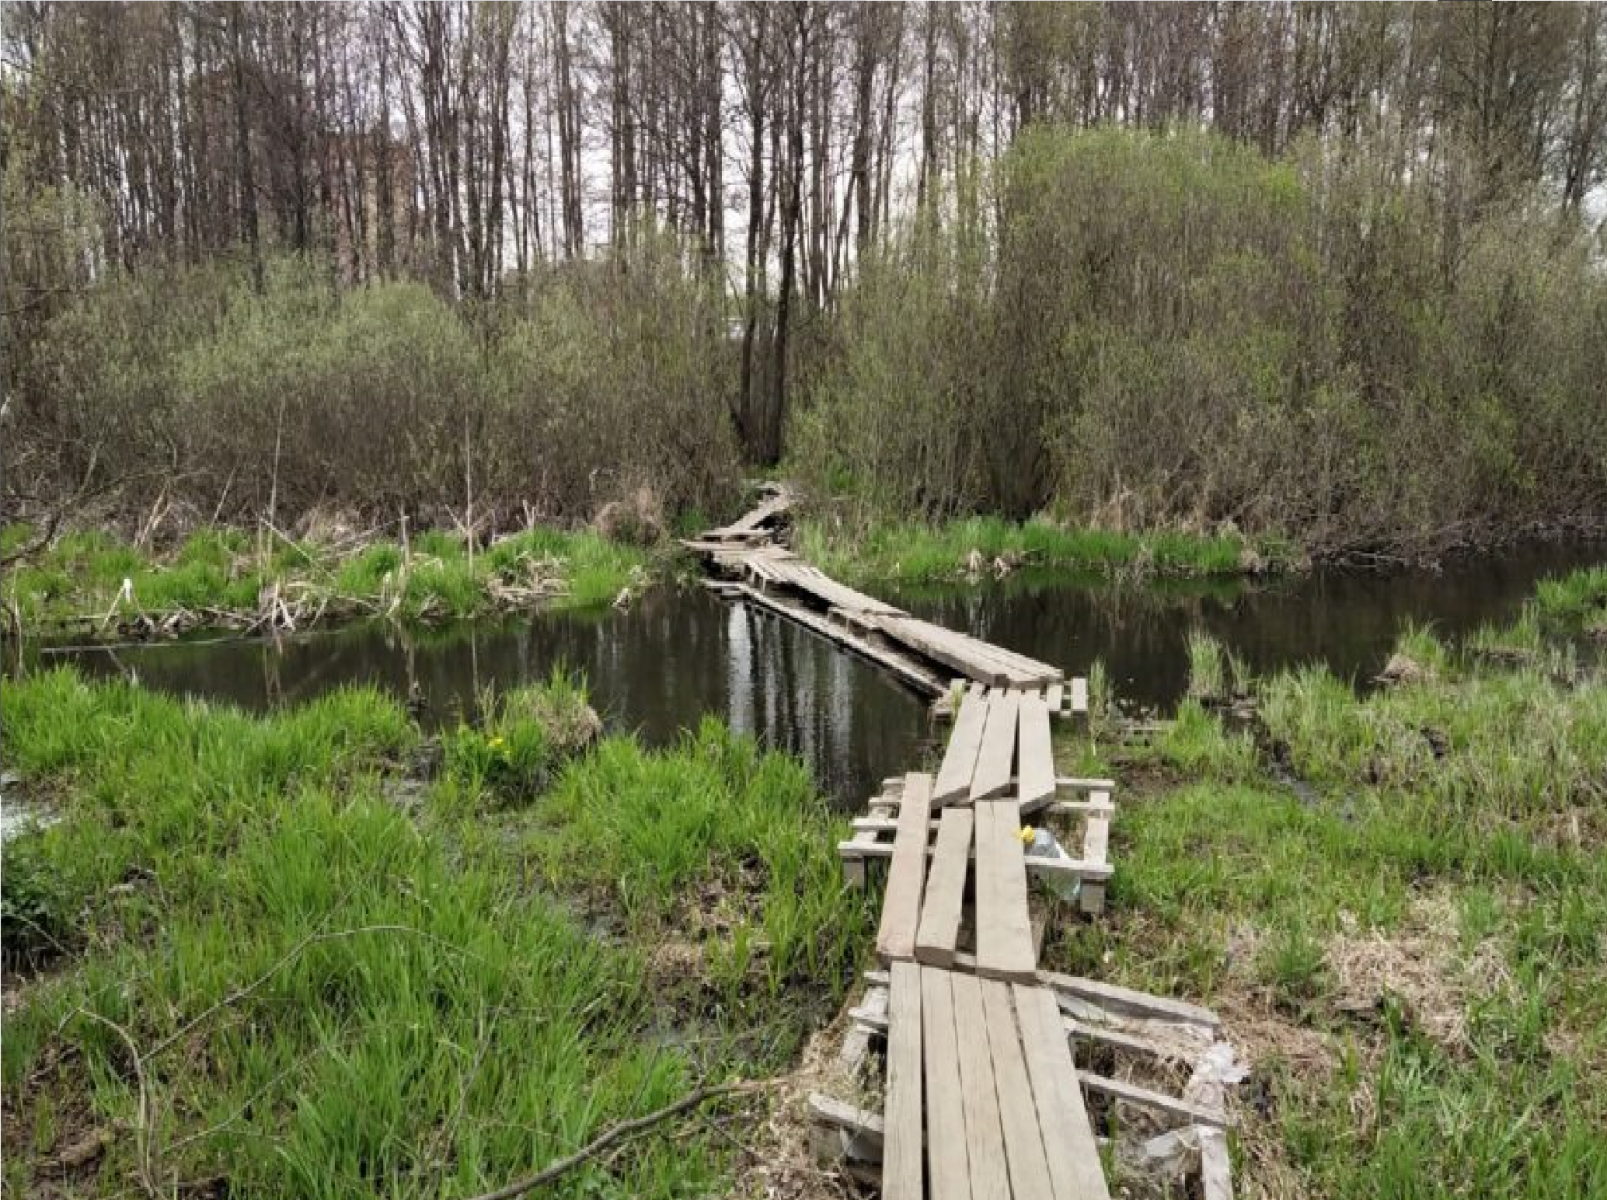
{"points": [[1575, 602], [217, 575], [1408, 947], [923, 554], [338, 991]]}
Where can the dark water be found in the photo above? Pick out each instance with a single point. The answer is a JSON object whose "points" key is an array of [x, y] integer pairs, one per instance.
{"points": [[677, 655], [1347, 620]]}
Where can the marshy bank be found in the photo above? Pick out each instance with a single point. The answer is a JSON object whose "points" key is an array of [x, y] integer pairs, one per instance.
{"points": [[676, 652], [269, 956], [90, 585], [1395, 899]]}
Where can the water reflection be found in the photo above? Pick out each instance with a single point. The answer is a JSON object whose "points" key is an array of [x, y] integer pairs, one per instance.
{"points": [[654, 670], [1346, 620], [678, 655]]}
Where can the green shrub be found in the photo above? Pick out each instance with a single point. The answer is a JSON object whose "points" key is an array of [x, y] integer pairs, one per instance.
{"points": [[36, 904]]}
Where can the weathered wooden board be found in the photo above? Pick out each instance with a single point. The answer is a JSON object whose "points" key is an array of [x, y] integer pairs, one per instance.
{"points": [[1073, 1155], [965, 742], [984, 1136], [1079, 697], [906, 875], [902, 1158], [949, 1177], [1171, 1106], [1003, 932], [1055, 699], [993, 763], [939, 929], [1023, 1142], [1095, 847], [905, 668], [1035, 774]]}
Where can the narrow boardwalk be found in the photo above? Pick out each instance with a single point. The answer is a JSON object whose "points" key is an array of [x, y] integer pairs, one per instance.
{"points": [[924, 655], [982, 1096]]}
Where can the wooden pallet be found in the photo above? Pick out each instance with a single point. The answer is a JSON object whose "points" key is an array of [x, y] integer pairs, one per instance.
{"points": [[1126, 1048], [1080, 819]]}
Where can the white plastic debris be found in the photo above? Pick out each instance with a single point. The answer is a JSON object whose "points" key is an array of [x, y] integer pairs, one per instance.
{"points": [[1044, 845]]}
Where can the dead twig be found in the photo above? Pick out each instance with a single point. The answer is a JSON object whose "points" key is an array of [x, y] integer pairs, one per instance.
{"points": [[144, 1145], [624, 1129]]}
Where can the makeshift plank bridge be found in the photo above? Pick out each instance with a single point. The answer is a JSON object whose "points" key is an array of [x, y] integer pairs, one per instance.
{"points": [[982, 1093], [758, 569]]}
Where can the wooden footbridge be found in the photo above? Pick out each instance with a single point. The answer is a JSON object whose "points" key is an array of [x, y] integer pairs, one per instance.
{"points": [[982, 1094]]}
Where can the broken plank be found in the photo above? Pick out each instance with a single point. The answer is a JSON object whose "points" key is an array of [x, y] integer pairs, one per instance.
{"points": [[1055, 698], [992, 777], [902, 1158], [945, 1106], [901, 904], [939, 929]]}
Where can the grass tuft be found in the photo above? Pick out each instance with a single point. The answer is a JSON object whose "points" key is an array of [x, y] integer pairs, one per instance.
{"points": [[926, 554], [219, 574], [338, 991]]}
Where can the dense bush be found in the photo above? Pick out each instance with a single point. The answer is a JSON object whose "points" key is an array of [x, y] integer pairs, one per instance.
{"points": [[1173, 329], [588, 384]]}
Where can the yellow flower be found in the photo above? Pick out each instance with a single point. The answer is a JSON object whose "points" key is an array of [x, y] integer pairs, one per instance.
{"points": [[496, 742], [1026, 834]]}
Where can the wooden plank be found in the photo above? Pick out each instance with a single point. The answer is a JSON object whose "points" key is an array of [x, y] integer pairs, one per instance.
{"points": [[1079, 697], [902, 1159], [992, 776], [907, 669], [1003, 935], [1155, 1101], [1076, 808], [906, 876], [1060, 808], [1095, 845], [853, 856], [1216, 1170], [1121, 999], [1096, 839], [949, 1172], [1085, 785], [965, 742], [1068, 1137], [945, 889], [861, 1122], [1023, 1142], [1055, 699], [1048, 868], [1104, 995], [935, 642], [1035, 772], [984, 1136]]}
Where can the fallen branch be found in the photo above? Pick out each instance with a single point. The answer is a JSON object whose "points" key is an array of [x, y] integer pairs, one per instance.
{"points": [[623, 1129]]}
